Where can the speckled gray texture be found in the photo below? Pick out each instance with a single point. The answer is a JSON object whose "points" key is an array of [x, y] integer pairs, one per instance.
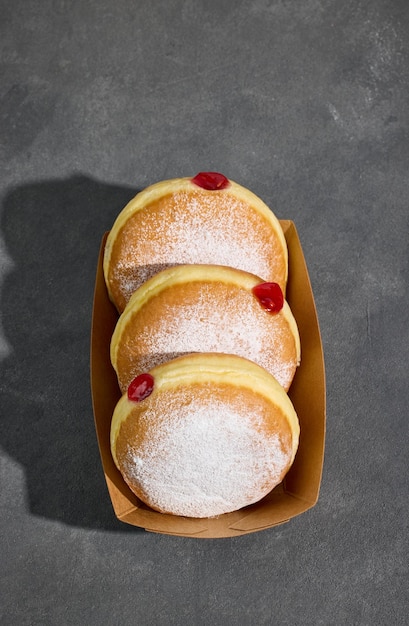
{"points": [[305, 103]]}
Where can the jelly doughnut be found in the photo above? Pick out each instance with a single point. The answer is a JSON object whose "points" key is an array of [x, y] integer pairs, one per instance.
{"points": [[204, 434], [207, 219], [205, 308]]}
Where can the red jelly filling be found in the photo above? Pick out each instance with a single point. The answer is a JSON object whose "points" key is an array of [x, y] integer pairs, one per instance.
{"points": [[211, 180], [270, 296], [141, 387]]}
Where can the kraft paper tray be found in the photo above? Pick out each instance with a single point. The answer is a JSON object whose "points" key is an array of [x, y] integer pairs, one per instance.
{"points": [[300, 489]]}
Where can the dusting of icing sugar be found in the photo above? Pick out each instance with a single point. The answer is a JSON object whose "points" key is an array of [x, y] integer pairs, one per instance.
{"points": [[200, 324], [188, 228], [204, 460]]}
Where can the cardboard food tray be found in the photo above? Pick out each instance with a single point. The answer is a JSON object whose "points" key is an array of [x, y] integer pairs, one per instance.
{"points": [[300, 488]]}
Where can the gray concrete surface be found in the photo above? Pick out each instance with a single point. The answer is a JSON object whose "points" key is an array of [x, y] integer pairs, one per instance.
{"points": [[305, 103]]}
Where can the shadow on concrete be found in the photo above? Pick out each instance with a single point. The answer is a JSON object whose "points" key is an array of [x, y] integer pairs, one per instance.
{"points": [[52, 232]]}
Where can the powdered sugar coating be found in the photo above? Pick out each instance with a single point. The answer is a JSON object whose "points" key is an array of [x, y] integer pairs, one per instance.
{"points": [[206, 317], [201, 459]]}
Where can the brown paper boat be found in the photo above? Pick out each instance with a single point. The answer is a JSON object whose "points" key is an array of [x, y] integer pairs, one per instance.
{"points": [[300, 489]]}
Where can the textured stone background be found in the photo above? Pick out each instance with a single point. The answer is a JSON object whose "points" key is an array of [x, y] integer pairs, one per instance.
{"points": [[305, 103]]}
